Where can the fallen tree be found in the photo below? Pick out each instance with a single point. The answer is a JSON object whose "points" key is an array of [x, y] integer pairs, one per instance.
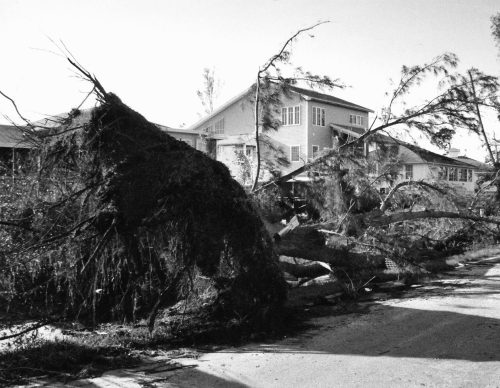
{"points": [[141, 221]]}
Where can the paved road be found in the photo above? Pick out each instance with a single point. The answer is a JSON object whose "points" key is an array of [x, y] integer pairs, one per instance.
{"points": [[445, 334]]}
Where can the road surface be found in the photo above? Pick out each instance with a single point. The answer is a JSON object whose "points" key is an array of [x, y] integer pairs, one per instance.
{"points": [[443, 334]]}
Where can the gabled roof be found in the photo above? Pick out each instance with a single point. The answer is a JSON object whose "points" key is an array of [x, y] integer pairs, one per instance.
{"points": [[310, 94], [475, 163], [12, 136], [329, 99], [232, 101], [426, 156]]}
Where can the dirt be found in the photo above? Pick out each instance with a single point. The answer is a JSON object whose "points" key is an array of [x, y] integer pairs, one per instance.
{"points": [[442, 333]]}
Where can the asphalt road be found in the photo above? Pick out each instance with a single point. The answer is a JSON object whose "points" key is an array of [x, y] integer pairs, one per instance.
{"points": [[443, 334]]}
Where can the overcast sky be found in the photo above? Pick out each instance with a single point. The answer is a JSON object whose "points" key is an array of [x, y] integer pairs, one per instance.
{"points": [[152, 53]]}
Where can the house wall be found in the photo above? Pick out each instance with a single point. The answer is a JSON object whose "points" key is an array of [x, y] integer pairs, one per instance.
{"points": [[431, 173], [293, 135], [193, 139], [321, 136], [238, 119]]}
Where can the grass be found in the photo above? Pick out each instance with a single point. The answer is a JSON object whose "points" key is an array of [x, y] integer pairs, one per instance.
{"points": [[65, 359]]}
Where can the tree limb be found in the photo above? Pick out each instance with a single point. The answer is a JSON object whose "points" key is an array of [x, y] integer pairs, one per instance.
{"points": [[381, 219], [383, 205]]}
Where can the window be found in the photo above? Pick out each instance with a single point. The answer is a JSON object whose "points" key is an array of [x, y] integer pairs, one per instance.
{"points": [[219, 127], [409, 171], [443, 173], [315, 150], [297, 114], [463, 175], [318, 116], [356, 120], [452, 174], [250, 151], [290, 115], [469, 175], [295, 153]]}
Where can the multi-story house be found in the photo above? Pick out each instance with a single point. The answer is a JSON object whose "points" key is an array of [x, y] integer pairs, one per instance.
{"points": [[310, 121]]}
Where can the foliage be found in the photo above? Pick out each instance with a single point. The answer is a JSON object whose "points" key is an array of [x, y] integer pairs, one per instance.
{"points": [[208, 94], [495, 28], [269, 204]]}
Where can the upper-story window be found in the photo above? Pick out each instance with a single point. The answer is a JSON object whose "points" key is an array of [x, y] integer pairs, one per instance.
{"points": [[356, 120], [219, 127], [318, 116], [290, 115]]}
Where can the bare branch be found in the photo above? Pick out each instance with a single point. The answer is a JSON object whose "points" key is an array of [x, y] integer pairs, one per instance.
{"points": [[383, 206], [283, 48], [29, 329]]}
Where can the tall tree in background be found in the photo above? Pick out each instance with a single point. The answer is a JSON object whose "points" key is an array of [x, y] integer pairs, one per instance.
{"points": [[208, 94], [271, 85], [495, 28]]}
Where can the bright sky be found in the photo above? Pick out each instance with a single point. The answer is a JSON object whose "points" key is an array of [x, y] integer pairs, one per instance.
{"points": [[152, 53]]}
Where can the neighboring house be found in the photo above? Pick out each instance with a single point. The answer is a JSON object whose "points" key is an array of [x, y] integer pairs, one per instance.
{"points": [[416, 163], [189, 137], [14, 147], [408, 162], [310, 122]]}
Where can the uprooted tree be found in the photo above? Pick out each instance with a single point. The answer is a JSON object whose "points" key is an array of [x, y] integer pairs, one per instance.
{"points": [[123, 220]]}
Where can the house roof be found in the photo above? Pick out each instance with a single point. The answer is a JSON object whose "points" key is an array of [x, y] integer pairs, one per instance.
{"points": [[311, 94], [426, 156], [181, 131], [329, 99], [12, 136], [420, 155], [232, 101], [357, 130], [475, 163]]}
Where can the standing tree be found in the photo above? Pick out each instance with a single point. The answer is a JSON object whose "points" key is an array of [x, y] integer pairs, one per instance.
{"points": [[208, 94], [495, 28], [271, 85]]}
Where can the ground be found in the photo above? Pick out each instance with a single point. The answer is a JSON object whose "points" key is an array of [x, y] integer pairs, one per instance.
{"points": [[441, 333]]}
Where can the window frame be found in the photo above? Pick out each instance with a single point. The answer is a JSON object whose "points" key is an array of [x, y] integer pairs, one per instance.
{"points": [[252, 150], [297, 146], [453, 174], [315, 154], [318, 116], [290, 115], [408, 171], [219, 126], [462, 175], [356, 120]]}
